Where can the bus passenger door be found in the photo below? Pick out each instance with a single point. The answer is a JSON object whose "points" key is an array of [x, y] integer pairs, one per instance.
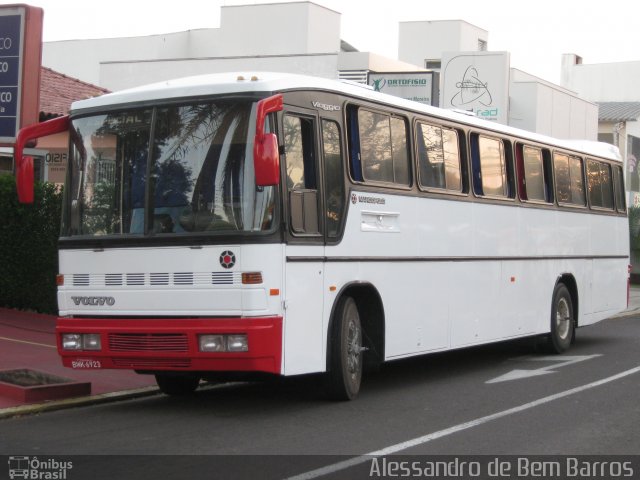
{"points": [[304, 270]]}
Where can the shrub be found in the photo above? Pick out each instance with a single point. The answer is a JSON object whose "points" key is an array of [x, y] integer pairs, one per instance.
{"points": [[28, 247]]}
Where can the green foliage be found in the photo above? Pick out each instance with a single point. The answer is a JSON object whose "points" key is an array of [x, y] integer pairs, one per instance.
{"points": [[634, 228], [28, 247]]}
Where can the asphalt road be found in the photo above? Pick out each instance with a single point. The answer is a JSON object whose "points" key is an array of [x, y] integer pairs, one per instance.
{"points": [[498, 400]]}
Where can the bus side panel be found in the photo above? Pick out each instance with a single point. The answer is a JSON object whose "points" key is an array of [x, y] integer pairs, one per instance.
{"points": [[303, 327]]}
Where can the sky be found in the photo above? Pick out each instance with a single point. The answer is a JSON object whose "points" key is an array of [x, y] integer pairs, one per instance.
{"points": [[536, 33]]}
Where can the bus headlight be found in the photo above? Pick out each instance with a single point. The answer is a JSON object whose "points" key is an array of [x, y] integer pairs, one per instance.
{"points": [[81, 341], [211, 343], [91, 341], [71, 341], [223, 343], [237, 343]]}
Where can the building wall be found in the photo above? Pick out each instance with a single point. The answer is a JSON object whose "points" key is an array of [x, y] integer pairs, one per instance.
{"points": [[551, 111], [82, 58], [120, 75], [419, 41], [279, 29], [602, 82], [301, 28]]}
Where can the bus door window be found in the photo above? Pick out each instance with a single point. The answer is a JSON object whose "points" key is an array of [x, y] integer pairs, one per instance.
{"points": [[333, 177], [301, 174]]}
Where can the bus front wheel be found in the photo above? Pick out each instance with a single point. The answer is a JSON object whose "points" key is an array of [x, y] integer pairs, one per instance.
{"points": [[345, 364], [172, 384], [562, 320]]}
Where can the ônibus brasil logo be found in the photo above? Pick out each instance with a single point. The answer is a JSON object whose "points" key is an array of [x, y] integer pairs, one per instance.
{"points": [[36, 469]]}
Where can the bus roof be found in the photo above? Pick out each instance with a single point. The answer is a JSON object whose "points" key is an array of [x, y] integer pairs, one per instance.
{"points": [[256, 82]]}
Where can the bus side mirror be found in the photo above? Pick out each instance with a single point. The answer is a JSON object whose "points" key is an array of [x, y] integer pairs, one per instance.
{"points": [[24, 164], [266, 155], [267, 160]]}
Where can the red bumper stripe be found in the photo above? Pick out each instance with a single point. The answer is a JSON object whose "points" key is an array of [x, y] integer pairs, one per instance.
{"points": [[172, 344]]}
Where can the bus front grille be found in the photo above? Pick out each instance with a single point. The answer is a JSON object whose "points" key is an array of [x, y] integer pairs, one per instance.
{"points": [[148, 342]]}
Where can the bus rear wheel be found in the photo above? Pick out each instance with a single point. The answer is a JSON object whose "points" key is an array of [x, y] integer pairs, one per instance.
{"points": [[345, 366], [562, 321], [177, 384]]}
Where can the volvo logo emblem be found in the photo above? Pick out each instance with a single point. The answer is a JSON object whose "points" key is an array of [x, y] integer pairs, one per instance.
{"points": [[94, 301], [227, 259]]}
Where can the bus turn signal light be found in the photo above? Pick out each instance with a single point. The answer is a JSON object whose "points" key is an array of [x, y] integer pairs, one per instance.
{"points": [[251, 278]]}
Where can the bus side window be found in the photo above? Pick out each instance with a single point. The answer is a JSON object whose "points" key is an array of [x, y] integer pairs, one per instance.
{"points": [[600, 184], [300, 163], [439, 158], [534, 173], [383, 149], [489, 167], [333, 177], [569, 179], [618, 181]]}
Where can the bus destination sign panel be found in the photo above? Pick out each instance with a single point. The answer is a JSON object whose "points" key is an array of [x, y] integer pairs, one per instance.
{"points": [[11, 47]]}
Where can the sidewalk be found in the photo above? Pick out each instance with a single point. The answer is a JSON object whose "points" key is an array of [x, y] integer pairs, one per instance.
{"points": [[27, 341]]}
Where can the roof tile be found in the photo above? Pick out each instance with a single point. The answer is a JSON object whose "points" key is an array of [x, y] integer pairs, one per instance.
{"points": [[58, 91]]}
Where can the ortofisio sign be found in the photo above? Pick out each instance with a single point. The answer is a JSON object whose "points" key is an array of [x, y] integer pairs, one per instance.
{"points": [[416, 86]]}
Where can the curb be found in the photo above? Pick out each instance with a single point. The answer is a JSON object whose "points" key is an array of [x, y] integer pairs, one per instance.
{"points": [[33, 409], [627, 313]]}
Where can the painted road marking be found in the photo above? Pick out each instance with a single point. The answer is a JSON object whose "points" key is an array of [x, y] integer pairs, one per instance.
{"points": [[28, 343], [398, 447], [559, 362]]}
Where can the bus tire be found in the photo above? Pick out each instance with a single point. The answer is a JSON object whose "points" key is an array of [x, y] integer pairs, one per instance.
{"points": [[343, 379], [172, 384], [562, 330]]}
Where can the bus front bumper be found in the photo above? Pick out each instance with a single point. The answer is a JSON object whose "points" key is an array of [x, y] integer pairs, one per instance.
{"points": [[246, 344]]}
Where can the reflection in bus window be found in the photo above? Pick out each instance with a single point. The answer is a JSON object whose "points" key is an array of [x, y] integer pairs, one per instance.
{"points": [[618, 181], [298, 135], [492, 167], [383, 148], [600, 184], [569, 179], [534, 173], [333, 178], [439, 158]]}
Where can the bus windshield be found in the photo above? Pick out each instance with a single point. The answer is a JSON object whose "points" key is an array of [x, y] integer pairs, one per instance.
{"points": [[175, 169]]}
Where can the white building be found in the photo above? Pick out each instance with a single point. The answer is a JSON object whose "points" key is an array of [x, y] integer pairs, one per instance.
{"points": [[308, 41], [493, 89], [614, 86]]}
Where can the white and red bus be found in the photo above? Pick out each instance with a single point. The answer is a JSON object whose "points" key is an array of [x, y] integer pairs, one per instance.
{"points": [[295, 225]]}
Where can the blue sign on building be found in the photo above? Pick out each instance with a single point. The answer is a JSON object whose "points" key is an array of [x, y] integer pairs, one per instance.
{"points": [[11, 27]]}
